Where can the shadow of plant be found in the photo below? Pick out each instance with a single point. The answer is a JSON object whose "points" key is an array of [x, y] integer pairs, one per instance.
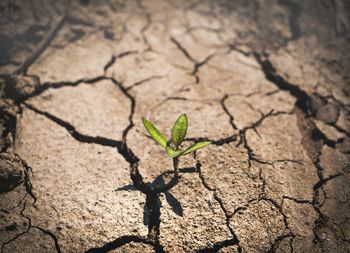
{"points": [[173, 202]]}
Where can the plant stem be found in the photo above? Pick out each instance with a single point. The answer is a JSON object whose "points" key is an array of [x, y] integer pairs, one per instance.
{"points": [[175, 166]]}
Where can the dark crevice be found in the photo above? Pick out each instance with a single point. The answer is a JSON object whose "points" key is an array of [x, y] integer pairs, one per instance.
{"points": [[52, 235], [323, 181], [29, 222], [278, 241], [317, 135], [114, 58], [223, 141], [152, 209], [315, 139], [27, 182], [303, 99], [242, 208], [144, 81], [151, 192], [287, 229], [339, 129], [217, 246], [197, 65], [235, 239], [263, 186], [39, 89], [183, 50], [132, 108], [57, 85], [177, 98], [243, 139], [284, 160], [73, 132], [251, 157], [109, 64], [218, 142], [222, 102], [123, 240], [7, 210], [299, 201], [122, 147]]}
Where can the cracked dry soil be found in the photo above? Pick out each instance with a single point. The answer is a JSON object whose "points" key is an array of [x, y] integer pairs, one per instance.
{"points": [[266, 81]]}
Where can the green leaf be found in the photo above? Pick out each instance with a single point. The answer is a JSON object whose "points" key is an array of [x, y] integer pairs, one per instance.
{"points": [[173, 153], [196, 146], [154, 133], [179, 130]]}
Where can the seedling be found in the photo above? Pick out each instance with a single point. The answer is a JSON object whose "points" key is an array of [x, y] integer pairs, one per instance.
{"points": [[178, 134]]}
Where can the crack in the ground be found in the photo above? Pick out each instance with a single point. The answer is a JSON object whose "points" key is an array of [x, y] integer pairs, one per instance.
{"points": [[234, 240], [132, 107], [7, 210], [222, 102], [29, 227], [299, 201], [145, 80], [276, 243], [197, 64], [122, 148], [287, 232], [303, 99], [27, 182], [11, 92], [324, 180], [121, 241], [183, 50], [251, 157], [244, 207], [218, 246], [114, 58], [309, 131], [20, 234], [254, 126], [152, 192], [50, 234], [49, 85]]}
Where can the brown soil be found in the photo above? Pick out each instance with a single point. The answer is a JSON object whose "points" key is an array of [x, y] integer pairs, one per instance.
{"points": [[266, 81]]}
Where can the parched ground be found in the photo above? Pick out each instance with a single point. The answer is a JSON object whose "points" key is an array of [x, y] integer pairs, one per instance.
{"points": [[266, 81]]}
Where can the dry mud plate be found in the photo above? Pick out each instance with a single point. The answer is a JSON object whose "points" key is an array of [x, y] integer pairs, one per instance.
{"points": [[266, 81]]}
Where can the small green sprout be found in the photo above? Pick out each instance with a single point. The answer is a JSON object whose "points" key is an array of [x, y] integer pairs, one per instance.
{"points": [[178, 134]]}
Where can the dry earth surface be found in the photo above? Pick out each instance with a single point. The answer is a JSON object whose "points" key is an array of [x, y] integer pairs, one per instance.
{"points": [[266, 81]]}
